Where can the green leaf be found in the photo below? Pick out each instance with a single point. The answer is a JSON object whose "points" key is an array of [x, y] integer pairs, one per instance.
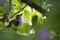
{"points": [[27, 15], [24, 29], [34, 19]]}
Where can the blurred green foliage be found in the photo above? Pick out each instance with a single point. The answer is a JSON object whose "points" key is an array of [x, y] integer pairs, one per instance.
{"points": [[27, 31]]}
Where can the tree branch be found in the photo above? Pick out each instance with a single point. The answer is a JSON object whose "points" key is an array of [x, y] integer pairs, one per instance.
{"points": [[33, 5], [18, 11], [8, 8], [6, 15]]}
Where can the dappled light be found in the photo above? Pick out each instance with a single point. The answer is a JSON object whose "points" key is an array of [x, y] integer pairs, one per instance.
{"points": [[29, 19]]}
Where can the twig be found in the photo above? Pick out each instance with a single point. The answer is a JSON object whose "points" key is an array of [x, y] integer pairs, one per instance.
{"points": [[18, 11], [8, 8], [6, 15], [33, 5]]}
